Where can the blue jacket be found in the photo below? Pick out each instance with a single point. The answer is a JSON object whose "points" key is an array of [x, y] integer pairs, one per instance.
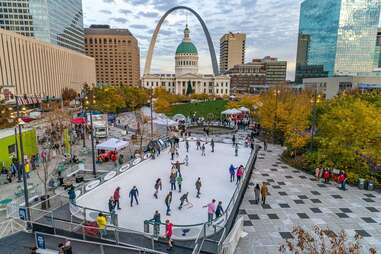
{"points": [[72, 195], [232, 169]]}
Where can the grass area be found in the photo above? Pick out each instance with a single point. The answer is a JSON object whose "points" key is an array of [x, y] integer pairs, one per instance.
{"points": [[201, 108]]}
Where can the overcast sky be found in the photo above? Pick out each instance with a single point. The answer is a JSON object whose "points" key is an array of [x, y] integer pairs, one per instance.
{"points": [[271, 26]]}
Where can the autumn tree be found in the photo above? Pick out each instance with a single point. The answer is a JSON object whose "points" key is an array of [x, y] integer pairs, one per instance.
{"points": [[68, 94], [231, 105], [109, 99], [162, 106]]}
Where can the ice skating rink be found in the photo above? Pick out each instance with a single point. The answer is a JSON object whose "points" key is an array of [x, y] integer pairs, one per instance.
{"points": [[213, 170]]}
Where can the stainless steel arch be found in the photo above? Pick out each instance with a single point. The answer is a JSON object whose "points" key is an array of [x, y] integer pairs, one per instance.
{"points": [[147, 66]]}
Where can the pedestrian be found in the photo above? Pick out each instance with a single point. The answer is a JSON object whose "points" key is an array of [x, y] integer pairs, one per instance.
{"points": [[342, 180], [326, 176], [264, 192], [157, 186], [116, 197], [61, 248], [67, 247], [232, 172], [187, 145], [111, 208], [134, 193], [265, 144], [13, 170], [168, 201], [172, 151], [156, 223], [211, 210], [257, 191], [236, 150], [198, 187], [219, 209], [198, 144], [183, 198], [203, 150], [186, 160], [252, 145], [101, 221], [179, 180], [233, 139], [27, 169], [212, 145], [72, 195], [177, 165], [168, 233], [172, 181], [239, 174], [317, 174]]}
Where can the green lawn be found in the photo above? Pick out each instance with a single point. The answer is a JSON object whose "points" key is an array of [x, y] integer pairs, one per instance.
{"points": [[201, 108]]}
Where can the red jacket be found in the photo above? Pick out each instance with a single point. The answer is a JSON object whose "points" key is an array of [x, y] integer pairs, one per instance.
{"points": [[326, 174], [169, 229], [116, 195], [341, 178]]}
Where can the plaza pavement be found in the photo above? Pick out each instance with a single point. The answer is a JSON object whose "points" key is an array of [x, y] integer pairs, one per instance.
{"points": [[297, 199]]}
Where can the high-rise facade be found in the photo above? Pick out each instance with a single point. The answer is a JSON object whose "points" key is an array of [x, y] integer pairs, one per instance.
{"points": [[276, 71], [116, 53], [339, 35], [232, 50], [52, 21]]}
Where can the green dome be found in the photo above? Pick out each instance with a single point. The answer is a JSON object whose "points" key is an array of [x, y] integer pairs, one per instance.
{"points": [[186, 48]]}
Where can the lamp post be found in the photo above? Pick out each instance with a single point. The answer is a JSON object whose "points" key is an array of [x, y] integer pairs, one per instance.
{"points": [[276, 93], [92, 135], [151, 102], [316, 99]]}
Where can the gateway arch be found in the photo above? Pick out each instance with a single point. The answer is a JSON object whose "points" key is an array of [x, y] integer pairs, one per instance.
{"points": [[147, 66]]}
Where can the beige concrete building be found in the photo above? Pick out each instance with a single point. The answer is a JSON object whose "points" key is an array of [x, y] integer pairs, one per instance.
{"points": [[34, 68], [116, 53], [232, 50]]}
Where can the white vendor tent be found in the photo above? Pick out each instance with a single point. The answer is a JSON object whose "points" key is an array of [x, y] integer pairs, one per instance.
{"points": [[179, 117], [244, 109], [164, 121], [112, 144], [231, 112]]}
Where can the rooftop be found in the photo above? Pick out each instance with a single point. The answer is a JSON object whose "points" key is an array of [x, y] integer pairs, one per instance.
{"points": [[106, 30]]}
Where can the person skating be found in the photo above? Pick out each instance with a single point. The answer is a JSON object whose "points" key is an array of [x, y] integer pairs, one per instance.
{"points": [[172, 151], [179, 180], [186, 160], [157, 186], [211, 210], [134, 193], [172, 181], [212, 145], [264, 192], [117, 197], [257, 191], [156, 223], [198, 144], [236, 150], [198, 187], [232, 172], [219, 209], [187, 145], [168, 200], [239, 174], [177, 165], [233, 139], [203, 150], [183, 198], [168, 233]]}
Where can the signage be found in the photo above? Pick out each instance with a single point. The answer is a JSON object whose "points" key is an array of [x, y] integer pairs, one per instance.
{"points": [[40, 241], [22, 213]]}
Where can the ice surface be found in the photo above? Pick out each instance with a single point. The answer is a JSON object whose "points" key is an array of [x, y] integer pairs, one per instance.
{"points": [[213, 170]]}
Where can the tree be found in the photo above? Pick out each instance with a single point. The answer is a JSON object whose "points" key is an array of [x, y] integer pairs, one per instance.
{"points": [[162, 106], [109, 99], [189, 88], [231, 105], [68, 94], [135, 97]]}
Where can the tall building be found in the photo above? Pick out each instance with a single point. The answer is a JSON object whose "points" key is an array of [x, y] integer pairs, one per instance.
{"points": [[232, 50], [377, 55], [276, 71], [186, 78], [32, 68], [52, 21], [340, 35], [116, 53]]}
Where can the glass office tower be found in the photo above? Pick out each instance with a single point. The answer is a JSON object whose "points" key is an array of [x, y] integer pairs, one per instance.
{"points": [[58, 22], [341, 35]]}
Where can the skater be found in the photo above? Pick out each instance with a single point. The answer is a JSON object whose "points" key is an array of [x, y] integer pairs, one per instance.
{"points": [[172, 181], [186, 160], [168, 233], [183, 199], [72, 195], [236, 150], [212, 145], [117, 197], [179, 180], [219, 209], [172, 151], [198, 144], [187, 145], [211, 210], [198, 187], [158, 186], [264, 192], [168, 200], [232, 172], [233, 139], [134, 193], [257, 191], [177, 165], [156, 223], [203, 150], [239, 174]]}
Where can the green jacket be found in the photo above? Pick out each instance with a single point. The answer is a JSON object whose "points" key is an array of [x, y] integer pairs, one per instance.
{"points": [[179, 179]]}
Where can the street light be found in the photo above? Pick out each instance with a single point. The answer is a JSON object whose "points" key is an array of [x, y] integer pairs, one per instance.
{"points": [[92, 132], [316, 99], [276, 94]]}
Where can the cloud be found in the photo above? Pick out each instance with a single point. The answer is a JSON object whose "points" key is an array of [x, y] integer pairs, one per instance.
{"points": [[139, 26], [119, 20], [109, 1], [124, 11], [148, 14], [136, 1], [105, 11]]}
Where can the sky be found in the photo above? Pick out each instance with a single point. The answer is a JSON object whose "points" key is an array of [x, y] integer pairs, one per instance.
{"points": [[271, 27]]}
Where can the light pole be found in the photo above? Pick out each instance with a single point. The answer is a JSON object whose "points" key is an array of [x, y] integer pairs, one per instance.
{"points": [[151, 102], [315, 101], [92, 135], [276, 93]]}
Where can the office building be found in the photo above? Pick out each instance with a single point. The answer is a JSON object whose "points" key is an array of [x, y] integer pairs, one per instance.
{"points": [[116, 53], [340, 35], [276, 71], [34, 68], [232, 50], [52, 21], [377, 55]]}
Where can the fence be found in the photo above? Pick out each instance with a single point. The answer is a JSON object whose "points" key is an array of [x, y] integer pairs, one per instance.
{"points": [[231, 241], [11, 226]]}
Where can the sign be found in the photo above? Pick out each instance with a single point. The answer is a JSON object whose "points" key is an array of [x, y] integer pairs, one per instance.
{"points": [[40, 241], [22, 213]]}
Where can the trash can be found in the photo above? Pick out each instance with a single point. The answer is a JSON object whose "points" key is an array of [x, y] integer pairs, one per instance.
{"points": [[361, 183], [146, 227], [370, 186]]}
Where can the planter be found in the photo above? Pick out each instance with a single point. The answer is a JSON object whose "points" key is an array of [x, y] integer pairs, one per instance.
{"points": [[361, 183]]}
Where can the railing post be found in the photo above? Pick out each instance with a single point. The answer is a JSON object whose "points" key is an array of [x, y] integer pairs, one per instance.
{"points": [[102, 249]]}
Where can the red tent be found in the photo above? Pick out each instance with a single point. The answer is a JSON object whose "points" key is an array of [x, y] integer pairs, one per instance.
{"points": [[78, 120], [27, 119]]}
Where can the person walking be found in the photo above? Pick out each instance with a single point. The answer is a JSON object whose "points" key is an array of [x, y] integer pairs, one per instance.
{"points": [[212, 145], [179, 180], [239, 174], [211, 210], [72, 195], [168, 233], [326, 176], [172, 181], [187, 145], [219, 209], [257, 191], [342, 180], [156, 224], [198, 144], [198, 187], [157, 186], [111, 208], [264, 192], [317, 174], [232, 172], [134, 193], [265, 144], [236, 150], [233, 139], [168, 201], [101, 221], [117, 197], [183, 198]]}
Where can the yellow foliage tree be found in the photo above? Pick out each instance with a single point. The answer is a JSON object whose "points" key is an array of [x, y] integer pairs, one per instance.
{"points": [[162, 106], [232, 104]]}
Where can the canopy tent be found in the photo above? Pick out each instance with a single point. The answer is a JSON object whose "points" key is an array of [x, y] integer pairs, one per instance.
{"points": [[179, 117], [112, 144], [231, 112], [27, 119], [162, 121], [78, 120], [244, 109]]}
